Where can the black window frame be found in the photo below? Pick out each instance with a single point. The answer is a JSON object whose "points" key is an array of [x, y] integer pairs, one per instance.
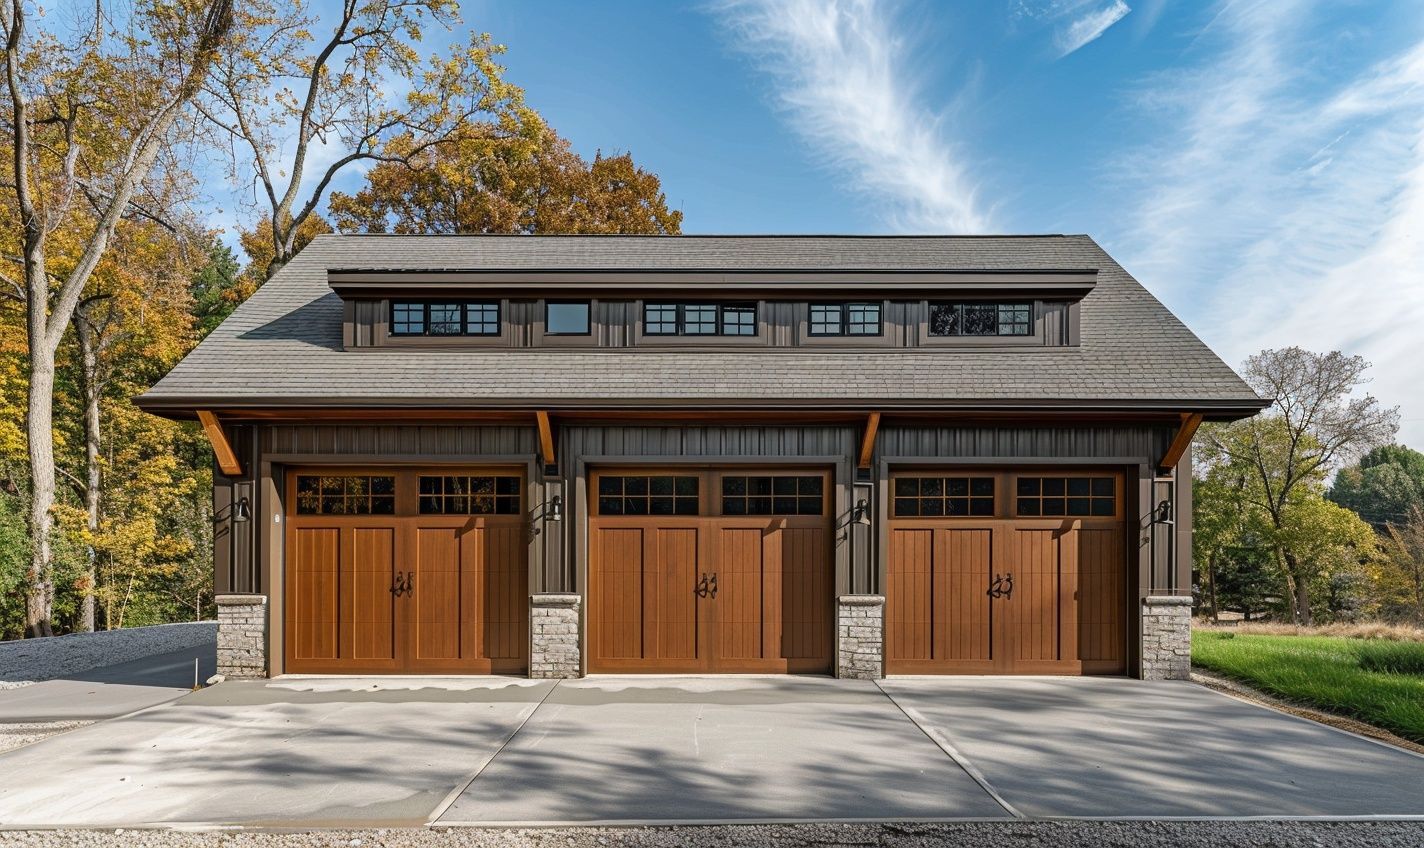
{"points": [[718, 323], [426, 324], [844, 323], [586, 304], [999, 307]]}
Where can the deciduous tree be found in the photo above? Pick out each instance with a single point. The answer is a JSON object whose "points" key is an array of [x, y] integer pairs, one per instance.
{"points": [[299, 98], [483, 184], [85, 122], [1316, 422]]}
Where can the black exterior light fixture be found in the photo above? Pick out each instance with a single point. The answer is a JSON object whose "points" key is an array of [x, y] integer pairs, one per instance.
{"points": [[555, 509], [861, 515], [238, 511]]}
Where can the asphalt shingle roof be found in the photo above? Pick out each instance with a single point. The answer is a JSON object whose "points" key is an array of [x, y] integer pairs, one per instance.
{"points": [[284, 343]]}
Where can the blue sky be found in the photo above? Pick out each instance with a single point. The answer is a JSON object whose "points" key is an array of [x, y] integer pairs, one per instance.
{"points": [[1258, 165]]}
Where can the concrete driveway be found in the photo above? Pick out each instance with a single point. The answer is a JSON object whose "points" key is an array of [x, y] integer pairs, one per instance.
{"points": [[313, 752]]}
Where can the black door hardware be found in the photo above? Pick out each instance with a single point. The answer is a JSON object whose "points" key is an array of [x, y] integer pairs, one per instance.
{"points": [[701, 589], [1002, 587], [404, 584]]}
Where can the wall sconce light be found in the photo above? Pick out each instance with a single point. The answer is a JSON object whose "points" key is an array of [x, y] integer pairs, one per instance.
{"points": [[555, 511], [862, 511], [238, 511]]}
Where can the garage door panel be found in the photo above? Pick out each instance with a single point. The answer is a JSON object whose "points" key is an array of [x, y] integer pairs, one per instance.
{"points": [[437, 597], [369, 631], [315, 570], [672, 609], [765, 605], [1102, 599], [950, 606], [459, 559], [497, 599]]}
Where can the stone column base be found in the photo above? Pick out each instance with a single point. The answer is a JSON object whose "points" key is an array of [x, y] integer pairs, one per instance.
{"points": [[242, 635], [860, 637], [1166, 638], [554, 636]]}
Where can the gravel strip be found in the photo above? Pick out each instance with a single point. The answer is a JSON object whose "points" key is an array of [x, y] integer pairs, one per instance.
{"points": [[18, 735], [26, 661], [1060, 834]]}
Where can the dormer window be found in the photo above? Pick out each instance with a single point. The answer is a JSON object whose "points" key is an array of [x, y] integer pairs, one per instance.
{"points": [[981, 319], [844, 319], [699, 319], [444, 318]]}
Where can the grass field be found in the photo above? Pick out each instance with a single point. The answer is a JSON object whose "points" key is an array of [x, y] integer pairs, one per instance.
{"points": [[1376, 681]]}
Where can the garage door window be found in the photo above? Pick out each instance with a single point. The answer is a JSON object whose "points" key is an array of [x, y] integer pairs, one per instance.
{"points": [[485, 494], [1067, 496], [346, 495], [662, 494], [933, 497], [768, 494]]}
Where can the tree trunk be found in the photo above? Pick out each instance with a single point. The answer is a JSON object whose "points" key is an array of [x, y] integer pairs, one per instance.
{"points": [[1300, 592], [1211, 586], [39, 430], [89, 380]]}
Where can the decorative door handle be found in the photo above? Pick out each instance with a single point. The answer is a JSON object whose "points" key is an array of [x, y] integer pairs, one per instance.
{"points": [[404, 584], [1002, 586], [713, 586], [701, 589]]}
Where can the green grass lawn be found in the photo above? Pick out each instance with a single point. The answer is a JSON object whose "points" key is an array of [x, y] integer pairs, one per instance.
{"points": [[1375, 681]]}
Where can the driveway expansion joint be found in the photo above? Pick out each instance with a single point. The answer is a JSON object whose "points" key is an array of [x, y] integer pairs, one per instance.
{"points": [[943, 743]]}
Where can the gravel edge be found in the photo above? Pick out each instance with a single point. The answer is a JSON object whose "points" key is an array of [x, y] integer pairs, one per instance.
{"points": [[20, 734], [27, 661], [1035, 834]]}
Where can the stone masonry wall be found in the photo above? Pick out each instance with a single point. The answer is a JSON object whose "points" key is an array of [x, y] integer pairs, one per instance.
{"points": [[1166, 638], [860, 633], [554, 636], [242, 635]]}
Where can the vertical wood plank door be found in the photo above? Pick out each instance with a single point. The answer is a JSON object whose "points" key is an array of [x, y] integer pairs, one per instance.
{"points": [[938, 614], [406, 571], [643, 608], [995, 572], [684, 580]]}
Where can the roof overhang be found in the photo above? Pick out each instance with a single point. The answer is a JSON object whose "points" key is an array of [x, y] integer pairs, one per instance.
{"points": [[1068, 284], [494, 411]]}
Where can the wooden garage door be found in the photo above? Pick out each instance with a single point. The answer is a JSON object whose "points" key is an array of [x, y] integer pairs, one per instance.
{"points": [[1006, 573], [406, 571], [710, 571]]}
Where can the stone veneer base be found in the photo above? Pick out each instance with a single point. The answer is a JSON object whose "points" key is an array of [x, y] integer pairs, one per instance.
{"points": [[860, 637], [242, 635], [1167, 638], [554, 636]]}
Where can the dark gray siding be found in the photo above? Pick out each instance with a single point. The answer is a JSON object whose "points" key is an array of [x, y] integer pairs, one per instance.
{"points": [[392, 440], [1145, 442]]}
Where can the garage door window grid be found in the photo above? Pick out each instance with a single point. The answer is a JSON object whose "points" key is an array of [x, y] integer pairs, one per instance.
{"points": [[773, 495], [662, 494], [1066, 496], [346, 495], [935, 497], [469, 495]]}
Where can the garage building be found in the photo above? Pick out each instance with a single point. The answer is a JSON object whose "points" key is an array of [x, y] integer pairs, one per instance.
{"points": [[568, 455]]}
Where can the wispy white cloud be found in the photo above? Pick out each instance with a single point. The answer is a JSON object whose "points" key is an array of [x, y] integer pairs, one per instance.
{"points": [[840, 71], [1076, 23], [1277, 210], [1087, 27]]}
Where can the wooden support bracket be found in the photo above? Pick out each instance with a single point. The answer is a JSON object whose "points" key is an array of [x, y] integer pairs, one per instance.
{"points": [[867, 441], [546, 437], [1181, 441], [227, 460]]}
